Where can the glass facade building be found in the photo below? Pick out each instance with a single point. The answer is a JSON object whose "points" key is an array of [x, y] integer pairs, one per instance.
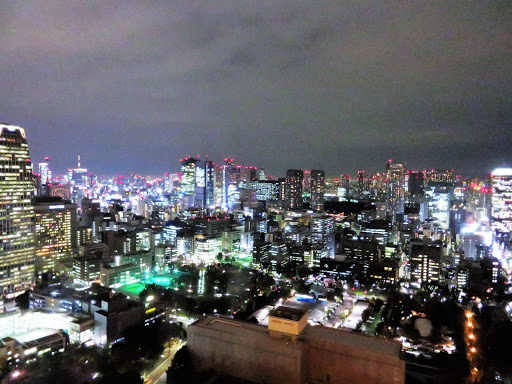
{"points": [[16, 212]]}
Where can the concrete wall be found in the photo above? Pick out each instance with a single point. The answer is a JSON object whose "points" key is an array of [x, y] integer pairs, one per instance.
{"points": [[319, 355], [334, 362], [247, 354]]}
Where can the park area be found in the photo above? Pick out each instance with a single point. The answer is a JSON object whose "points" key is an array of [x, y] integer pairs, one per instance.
{"points": [[165, 281]]}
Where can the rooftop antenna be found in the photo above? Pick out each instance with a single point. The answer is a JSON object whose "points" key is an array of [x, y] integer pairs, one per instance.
{"points": [[78, 161]]}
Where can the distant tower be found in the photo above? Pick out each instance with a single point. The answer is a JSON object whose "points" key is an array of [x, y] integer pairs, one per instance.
{"points": [[188, 176], [317, 190], [415, 185], [16, 212], [230, 184], [501, 213], [361, 179], [293, 189], [395, 188], [210, 185], [44, 171], [200, 186], [306, 187]]}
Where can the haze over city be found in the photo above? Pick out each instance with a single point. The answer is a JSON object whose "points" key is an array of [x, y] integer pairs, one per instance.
{"points": [[255, 192], [284, 84]]}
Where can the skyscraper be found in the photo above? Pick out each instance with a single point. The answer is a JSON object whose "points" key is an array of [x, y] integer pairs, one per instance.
{"points": [[293, 189], [44, 171], [56, 235], [231, 183], [210, 184], [317, 190], [200, 186], [395, 188], [16, 212], [501, 213], [188, 180], [188, 176]]}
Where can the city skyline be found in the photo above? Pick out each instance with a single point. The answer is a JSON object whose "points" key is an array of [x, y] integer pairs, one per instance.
{"points": [[285, 85]]}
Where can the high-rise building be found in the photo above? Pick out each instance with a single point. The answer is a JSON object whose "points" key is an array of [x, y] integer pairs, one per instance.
{"points": [[415, 185], [188, 176], [440, 175], [361, 179], [267, 189], [231, 184], [200, 185], [249, 175], [395, 188], [56, 232], [317, 190], [210, 184], [306, 187], [16, 212], [44, 171], [425, 259], [293, 189], [79, 176], [501, 213]]}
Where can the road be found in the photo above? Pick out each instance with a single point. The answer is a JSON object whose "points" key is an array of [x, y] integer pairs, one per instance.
{"points": [[157, 375]]}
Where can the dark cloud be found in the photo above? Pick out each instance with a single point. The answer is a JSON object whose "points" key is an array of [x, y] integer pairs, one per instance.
{"points": [[330, 84]]}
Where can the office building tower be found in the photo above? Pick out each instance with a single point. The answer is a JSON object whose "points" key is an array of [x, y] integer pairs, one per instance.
{"points": [[425, 259], [210, 184], [90, 209], [395, 188], [361, 181], [56, 232], [320, 227], [262, 175], [16, 212], [415, 185], [231, 183], [200, 184], [267, 189], [440, 175], [306, 187], [439, 199], [188, 176], [317, 190], [79, 177], [44, 172], [249, 174], [293, 189], [501, 212]]}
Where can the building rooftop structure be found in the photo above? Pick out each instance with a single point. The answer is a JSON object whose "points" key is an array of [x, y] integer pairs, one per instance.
{"points": [[289, 313], [252, 352]]}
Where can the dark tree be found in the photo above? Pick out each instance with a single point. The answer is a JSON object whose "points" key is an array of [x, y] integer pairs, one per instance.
{"points": [[23, 300]]}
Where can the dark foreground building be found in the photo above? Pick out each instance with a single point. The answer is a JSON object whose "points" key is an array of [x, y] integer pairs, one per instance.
{"points": [[316, 355]]}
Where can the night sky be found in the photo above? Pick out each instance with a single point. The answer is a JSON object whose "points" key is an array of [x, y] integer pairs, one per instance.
{"points": [[339, 85]]}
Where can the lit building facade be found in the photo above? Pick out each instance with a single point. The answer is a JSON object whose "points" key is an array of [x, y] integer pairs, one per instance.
{"points": [[426, 259], [501, 213], [16, 212], [267, 190], [44, 171], [230, 184], [188, 179], [293, 189], [317, 190], [395, 188], [56, 234]]}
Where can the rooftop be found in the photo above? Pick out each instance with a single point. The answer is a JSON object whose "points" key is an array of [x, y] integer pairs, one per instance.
{"points": [[33, 335], [289, 313]]}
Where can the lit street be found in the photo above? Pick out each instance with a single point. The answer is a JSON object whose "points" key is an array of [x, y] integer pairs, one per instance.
{"points": [[158, 375]]}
